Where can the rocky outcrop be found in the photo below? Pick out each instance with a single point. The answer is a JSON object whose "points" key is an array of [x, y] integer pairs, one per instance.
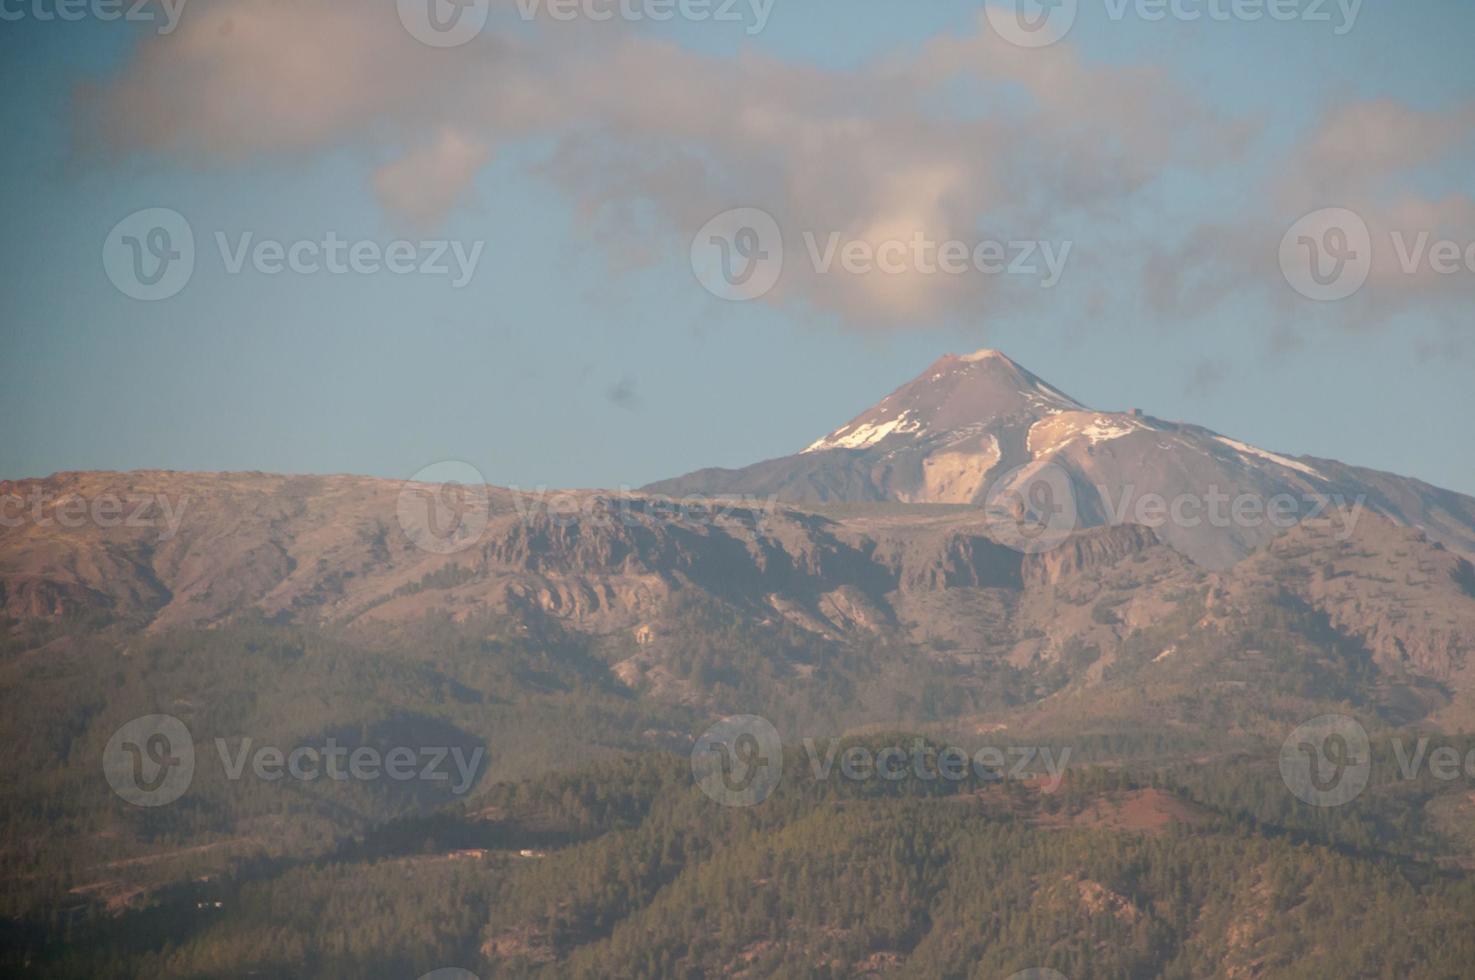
{"points": [[1087, 552], [955, 560]]}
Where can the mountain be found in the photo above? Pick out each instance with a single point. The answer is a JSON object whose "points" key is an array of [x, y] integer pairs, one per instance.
{"points": [[980, 430], [575, 629], [912, 546], [907, 595]]}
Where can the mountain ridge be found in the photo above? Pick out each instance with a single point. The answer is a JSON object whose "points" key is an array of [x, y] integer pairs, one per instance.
{"points": [[625, 571], [975, 428]]}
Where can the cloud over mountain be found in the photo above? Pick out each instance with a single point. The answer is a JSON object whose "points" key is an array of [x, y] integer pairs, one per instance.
{"points": [[964, 138], [875, 153]]}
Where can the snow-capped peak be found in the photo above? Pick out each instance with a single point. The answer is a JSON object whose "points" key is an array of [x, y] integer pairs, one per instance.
{"points": [[957, 395]]}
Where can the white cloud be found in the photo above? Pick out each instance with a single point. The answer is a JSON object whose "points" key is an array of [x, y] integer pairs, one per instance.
{"points": [[651, 140], [426, 184]]}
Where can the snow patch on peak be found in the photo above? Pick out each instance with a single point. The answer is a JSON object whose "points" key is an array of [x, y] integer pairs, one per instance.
{"points": [[1106, 429], [1054, 398], [984, 354], [864, 434], [1053, 433], [1244, 449]]}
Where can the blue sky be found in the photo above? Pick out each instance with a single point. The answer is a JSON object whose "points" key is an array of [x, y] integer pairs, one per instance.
{"points": [[584, 352]]}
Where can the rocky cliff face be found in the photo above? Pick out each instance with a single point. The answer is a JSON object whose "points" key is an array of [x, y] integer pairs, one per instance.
{"points": [[334, 550], [1399, 595], [1087, 552]]}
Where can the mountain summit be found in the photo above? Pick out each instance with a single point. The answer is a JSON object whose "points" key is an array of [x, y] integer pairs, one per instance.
{"points": [[955, 395], [972, 426]]}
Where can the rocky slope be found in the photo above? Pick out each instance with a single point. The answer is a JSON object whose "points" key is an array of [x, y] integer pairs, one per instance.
{"points": [[935, 581]]}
